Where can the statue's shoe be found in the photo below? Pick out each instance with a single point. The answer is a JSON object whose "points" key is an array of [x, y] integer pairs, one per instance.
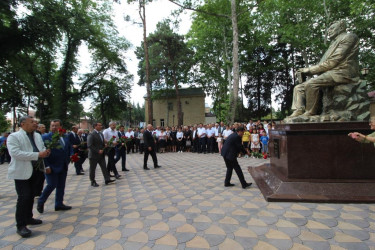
{"points": [[307, 113], [296, 113]]}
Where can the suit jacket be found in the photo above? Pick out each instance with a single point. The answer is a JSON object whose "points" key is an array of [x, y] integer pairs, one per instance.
{"points": [[74, 140], [340, 60], [59, 158], [21, 151], [94, 144], [232, 147], [148, 139]]}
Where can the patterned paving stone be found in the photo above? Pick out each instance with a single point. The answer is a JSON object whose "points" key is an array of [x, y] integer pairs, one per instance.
{"points": [[184, 205]]}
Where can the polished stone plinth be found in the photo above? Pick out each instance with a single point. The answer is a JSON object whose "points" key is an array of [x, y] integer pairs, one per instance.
{"points": [[318, 162]]}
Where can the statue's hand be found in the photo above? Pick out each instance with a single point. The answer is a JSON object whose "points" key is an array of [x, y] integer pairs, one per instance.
{"points": [[303, 71]]}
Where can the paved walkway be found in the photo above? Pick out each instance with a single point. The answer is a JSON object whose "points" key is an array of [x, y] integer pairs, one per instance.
{"points": [[184, 205]]}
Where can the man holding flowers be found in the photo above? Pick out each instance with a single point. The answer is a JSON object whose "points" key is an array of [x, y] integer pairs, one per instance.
{"points": [[56, 165]]}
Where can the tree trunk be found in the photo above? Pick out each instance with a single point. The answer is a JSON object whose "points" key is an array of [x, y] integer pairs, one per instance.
{"points": [[142, 14], [236, 69], [61, 102], [179, 107]]}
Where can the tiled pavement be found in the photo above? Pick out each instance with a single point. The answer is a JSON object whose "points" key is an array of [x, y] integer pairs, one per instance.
{"points": [[184, 205]]}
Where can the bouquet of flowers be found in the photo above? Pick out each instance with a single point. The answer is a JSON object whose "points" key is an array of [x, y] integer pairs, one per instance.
{"points": [[109, 145], [74, 158], [257, 155], [55, 140], [124, 140]]}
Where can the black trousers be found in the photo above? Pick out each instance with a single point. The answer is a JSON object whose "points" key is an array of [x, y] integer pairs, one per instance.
{"points": [[210, 144], [202, 144], [153, 155], [111, 164], [94, 163], [26, 192], [234, 165]]}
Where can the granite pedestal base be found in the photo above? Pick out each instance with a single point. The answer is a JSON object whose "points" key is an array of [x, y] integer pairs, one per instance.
{"points": [[318, 162]]}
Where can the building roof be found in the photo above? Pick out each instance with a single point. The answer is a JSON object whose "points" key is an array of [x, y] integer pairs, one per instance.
{"points": [[183, 92]]}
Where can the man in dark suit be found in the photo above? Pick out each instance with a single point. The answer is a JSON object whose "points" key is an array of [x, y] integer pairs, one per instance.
{"points": [[56, 168], [96, 145], [150, 147], [121, 150], [82, 149], [230, 150], [75, 142]]}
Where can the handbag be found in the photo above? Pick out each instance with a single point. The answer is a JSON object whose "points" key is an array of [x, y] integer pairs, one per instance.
{"points": [[188, 143]]}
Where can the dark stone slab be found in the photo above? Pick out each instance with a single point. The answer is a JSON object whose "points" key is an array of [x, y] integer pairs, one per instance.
{"points": [[318, 162]]}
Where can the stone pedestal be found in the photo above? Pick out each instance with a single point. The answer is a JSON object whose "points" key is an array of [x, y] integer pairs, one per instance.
{"points": [[318, 162], [372, 107]]}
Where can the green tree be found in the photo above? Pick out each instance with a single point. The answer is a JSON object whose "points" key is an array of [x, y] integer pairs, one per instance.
{"points": [[170, 60]]}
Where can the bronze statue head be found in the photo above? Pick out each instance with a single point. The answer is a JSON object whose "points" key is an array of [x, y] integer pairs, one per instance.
{"points": [[336, 29]]}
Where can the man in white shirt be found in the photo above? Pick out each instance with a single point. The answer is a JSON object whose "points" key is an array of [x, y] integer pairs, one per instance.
{"points": [[210, 132], [202, 138], [248, 126], [130, 143], [111, 134], [227, 132]]}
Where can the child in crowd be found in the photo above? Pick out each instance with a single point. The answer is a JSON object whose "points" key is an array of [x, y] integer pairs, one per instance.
{"points": [[219, 141], [246, 140], [264, 140], [255, 144]]}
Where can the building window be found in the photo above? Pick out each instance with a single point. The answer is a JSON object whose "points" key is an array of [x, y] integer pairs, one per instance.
{"points": [[154, 123], [161, 122], [170, 106]]}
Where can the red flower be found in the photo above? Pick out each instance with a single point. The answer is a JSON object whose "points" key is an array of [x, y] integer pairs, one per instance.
{"points": [[114, 137], [265, 156], [74, 158]]}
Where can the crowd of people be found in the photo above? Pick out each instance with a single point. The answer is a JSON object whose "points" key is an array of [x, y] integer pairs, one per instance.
{"points": [[200, 138]]}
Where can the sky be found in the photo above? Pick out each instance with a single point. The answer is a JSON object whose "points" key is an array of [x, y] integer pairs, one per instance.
{"points": [[156, 11]]}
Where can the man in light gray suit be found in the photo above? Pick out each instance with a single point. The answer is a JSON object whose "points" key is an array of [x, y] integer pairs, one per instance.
{"points": [[27, 150], [96, 145]]}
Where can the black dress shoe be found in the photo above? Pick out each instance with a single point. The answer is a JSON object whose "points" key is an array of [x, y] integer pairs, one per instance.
{"points": [[146, 168], [247, 185], [157, 166], [109, 181], [24, 232], [80, 174], [228, 185], [118, 176], [94, 184], [40, 208], [33, 221], [63, 208], [125, 169]]}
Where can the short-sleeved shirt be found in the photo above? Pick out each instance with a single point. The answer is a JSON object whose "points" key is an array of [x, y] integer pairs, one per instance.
{"points": [[264, 140], [246, 136]]}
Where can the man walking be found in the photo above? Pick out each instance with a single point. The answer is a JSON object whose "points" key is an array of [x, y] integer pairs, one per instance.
{"points": [[96, 145], [121, 150], [150, 148], [27, 150], [233, 146], [111, 134], [56, 168], [76, 143]]}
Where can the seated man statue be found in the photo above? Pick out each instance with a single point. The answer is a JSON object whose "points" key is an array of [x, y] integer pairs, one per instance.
{"points": [[339, 65]]}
